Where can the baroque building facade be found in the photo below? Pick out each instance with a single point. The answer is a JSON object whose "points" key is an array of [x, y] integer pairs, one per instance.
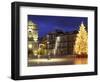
{"points": [[32, 38]]}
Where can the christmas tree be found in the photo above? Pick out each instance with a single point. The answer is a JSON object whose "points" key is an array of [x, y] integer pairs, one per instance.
{"points": [[81, 43]]}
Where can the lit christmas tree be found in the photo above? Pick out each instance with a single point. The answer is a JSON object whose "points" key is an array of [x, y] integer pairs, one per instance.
{"points": [[81, 43]]}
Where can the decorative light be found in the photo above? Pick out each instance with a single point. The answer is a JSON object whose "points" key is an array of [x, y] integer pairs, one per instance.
{"points": [[35, 52], [30, 46], [35, 39], [30, 36], [81, 43]]}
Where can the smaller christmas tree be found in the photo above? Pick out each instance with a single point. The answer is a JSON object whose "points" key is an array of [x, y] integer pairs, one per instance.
{"points": [[81, 44]]}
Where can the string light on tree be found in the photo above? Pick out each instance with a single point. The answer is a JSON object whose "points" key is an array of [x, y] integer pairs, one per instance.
{"points": [[81, 43]]}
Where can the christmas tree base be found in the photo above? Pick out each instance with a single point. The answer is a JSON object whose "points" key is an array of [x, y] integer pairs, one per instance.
{"points": [[81, 56]]}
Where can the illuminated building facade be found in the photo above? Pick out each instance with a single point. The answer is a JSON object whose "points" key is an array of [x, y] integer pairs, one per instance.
{"points": [[32, 38], [60, 43]]}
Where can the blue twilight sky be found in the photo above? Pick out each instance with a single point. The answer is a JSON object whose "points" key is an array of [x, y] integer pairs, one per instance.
{"points": [[48, 24]]}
